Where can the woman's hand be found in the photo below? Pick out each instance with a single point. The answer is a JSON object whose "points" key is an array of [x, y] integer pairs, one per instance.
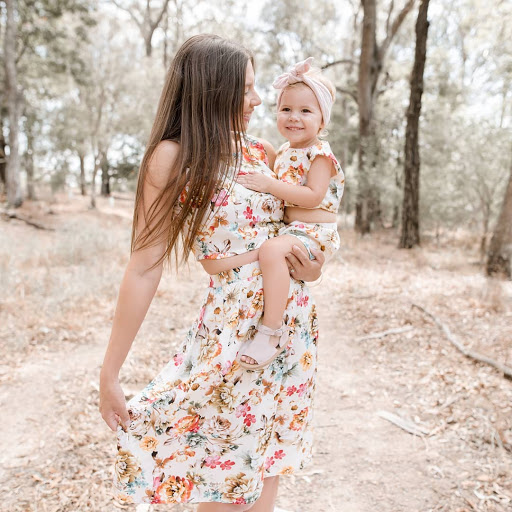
{"points": [[113, 404], [255, 181], [302, 268]]}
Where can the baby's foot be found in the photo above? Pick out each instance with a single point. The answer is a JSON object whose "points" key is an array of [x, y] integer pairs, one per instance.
{"points": [[265, 346], [272, 340]]}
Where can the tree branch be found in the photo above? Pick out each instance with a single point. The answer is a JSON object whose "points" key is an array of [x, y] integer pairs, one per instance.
{"points": [[507, 371], [340, 61], [352, 94], [383, 48], [159, 17], [130, 12]]}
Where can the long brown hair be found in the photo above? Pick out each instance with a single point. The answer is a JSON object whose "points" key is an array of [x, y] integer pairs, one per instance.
{"points": [[201, 107]]}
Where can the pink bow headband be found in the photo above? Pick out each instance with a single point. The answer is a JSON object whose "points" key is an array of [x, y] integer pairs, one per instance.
{"points": [[298, 74]]}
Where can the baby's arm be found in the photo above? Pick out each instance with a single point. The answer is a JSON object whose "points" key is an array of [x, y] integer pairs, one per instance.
{"points": [[309, 195]]}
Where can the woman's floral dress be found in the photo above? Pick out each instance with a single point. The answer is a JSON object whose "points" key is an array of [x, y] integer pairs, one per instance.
{"points": [[204, 429]]}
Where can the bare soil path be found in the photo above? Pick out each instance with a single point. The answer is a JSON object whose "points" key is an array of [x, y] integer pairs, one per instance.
{"points": [[56, 452]]}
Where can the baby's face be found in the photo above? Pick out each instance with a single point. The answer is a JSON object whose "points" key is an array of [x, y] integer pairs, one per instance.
{"points": [[299, 118]]}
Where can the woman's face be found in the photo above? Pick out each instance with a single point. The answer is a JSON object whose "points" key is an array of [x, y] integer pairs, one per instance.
{"points": [[251, 98]]}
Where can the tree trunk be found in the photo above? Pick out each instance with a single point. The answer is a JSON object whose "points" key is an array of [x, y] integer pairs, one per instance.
{"points": [[370, 66], [14, 198], [499, 258], [29, 156], [410, 236], [93, 181], [148, 44], [105, 178], [82, 173], [3, 157]]}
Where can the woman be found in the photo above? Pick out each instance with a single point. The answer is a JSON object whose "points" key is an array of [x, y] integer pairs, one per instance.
{"points": [[204, 430]]}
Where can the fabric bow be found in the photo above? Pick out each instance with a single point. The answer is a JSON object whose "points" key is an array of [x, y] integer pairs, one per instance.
{"points": [[298, 74]]}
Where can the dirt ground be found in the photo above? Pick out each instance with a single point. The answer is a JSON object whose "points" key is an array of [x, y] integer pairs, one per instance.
{"points": [[58, 296]]}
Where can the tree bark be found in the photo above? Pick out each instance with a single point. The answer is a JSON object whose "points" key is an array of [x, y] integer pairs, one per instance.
{"points": [[499, 258], [82, 174], [3, 157], [370, 66], [105, 178], [410, 235], [29, 156], [14, 198]]}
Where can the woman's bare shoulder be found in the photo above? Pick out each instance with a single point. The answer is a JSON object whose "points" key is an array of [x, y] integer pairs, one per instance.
{"points": [[162, 161]]}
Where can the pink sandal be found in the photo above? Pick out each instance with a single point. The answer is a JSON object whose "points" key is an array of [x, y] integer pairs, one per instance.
{"points": [[260, 348]]}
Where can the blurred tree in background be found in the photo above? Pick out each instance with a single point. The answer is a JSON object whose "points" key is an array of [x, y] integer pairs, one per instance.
{"points": [[81, 81]]}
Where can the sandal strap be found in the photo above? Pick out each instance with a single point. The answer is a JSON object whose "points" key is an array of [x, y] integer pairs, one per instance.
{"points": [[270, 332]]}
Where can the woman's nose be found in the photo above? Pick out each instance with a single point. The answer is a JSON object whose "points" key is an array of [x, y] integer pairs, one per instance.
{"points": [[255, 100]]}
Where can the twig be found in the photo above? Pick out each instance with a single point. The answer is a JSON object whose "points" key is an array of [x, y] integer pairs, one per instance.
{"points": [[404, 424], [377, 335], [12, 215], [507, 371]]}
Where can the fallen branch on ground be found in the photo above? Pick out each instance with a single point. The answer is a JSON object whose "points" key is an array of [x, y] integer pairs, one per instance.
{"points": [[507, 371], [404, 424], [376, 335], [12, 215]]}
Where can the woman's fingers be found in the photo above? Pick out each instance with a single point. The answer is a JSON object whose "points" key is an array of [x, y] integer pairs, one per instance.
{"points": [[319, 256]]}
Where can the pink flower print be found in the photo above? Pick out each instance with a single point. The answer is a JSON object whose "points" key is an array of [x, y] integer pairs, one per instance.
{"points": [[221, 199], [239, 501], [227, 464], [254, 221], [250, 418], [302, 388], [269, 462], [212, 461], [302, 300], [242, 410], [290, 390], [227, 366], [178, 359], [248, 213], [279, 454]]}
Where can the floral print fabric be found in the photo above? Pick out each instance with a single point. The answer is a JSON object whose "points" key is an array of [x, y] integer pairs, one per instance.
{"points": [[292, 166], [322, 236], [204, 429], [240, 219]]}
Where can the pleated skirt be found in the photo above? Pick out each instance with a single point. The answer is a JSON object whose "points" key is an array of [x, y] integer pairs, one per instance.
{"points": [[206, 430]]}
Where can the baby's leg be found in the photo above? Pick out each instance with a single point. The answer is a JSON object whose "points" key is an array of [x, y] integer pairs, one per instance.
{"points": [[276, 282], [276, 277]]}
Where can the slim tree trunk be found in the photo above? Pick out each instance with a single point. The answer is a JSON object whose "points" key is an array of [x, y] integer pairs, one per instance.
{"points": [[499, 258], [29, 156], [82, 173], [93, 181], [410, 236], [12, 178], [105, 178], [370, 66], [3, 157]]}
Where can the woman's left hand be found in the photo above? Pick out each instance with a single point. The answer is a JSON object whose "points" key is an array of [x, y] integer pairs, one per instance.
{"points": [[302, 268], [255, 181]]}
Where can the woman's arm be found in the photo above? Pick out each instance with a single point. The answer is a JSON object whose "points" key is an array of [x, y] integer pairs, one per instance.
{"points": [[136, 292], [308, 195]]}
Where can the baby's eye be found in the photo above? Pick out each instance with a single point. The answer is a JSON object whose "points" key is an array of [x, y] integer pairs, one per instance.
{"points": [[306, 110], [285, 109]]}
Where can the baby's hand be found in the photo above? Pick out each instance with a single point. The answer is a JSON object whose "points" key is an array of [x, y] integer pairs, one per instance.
{"points": [[255, 181]]}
